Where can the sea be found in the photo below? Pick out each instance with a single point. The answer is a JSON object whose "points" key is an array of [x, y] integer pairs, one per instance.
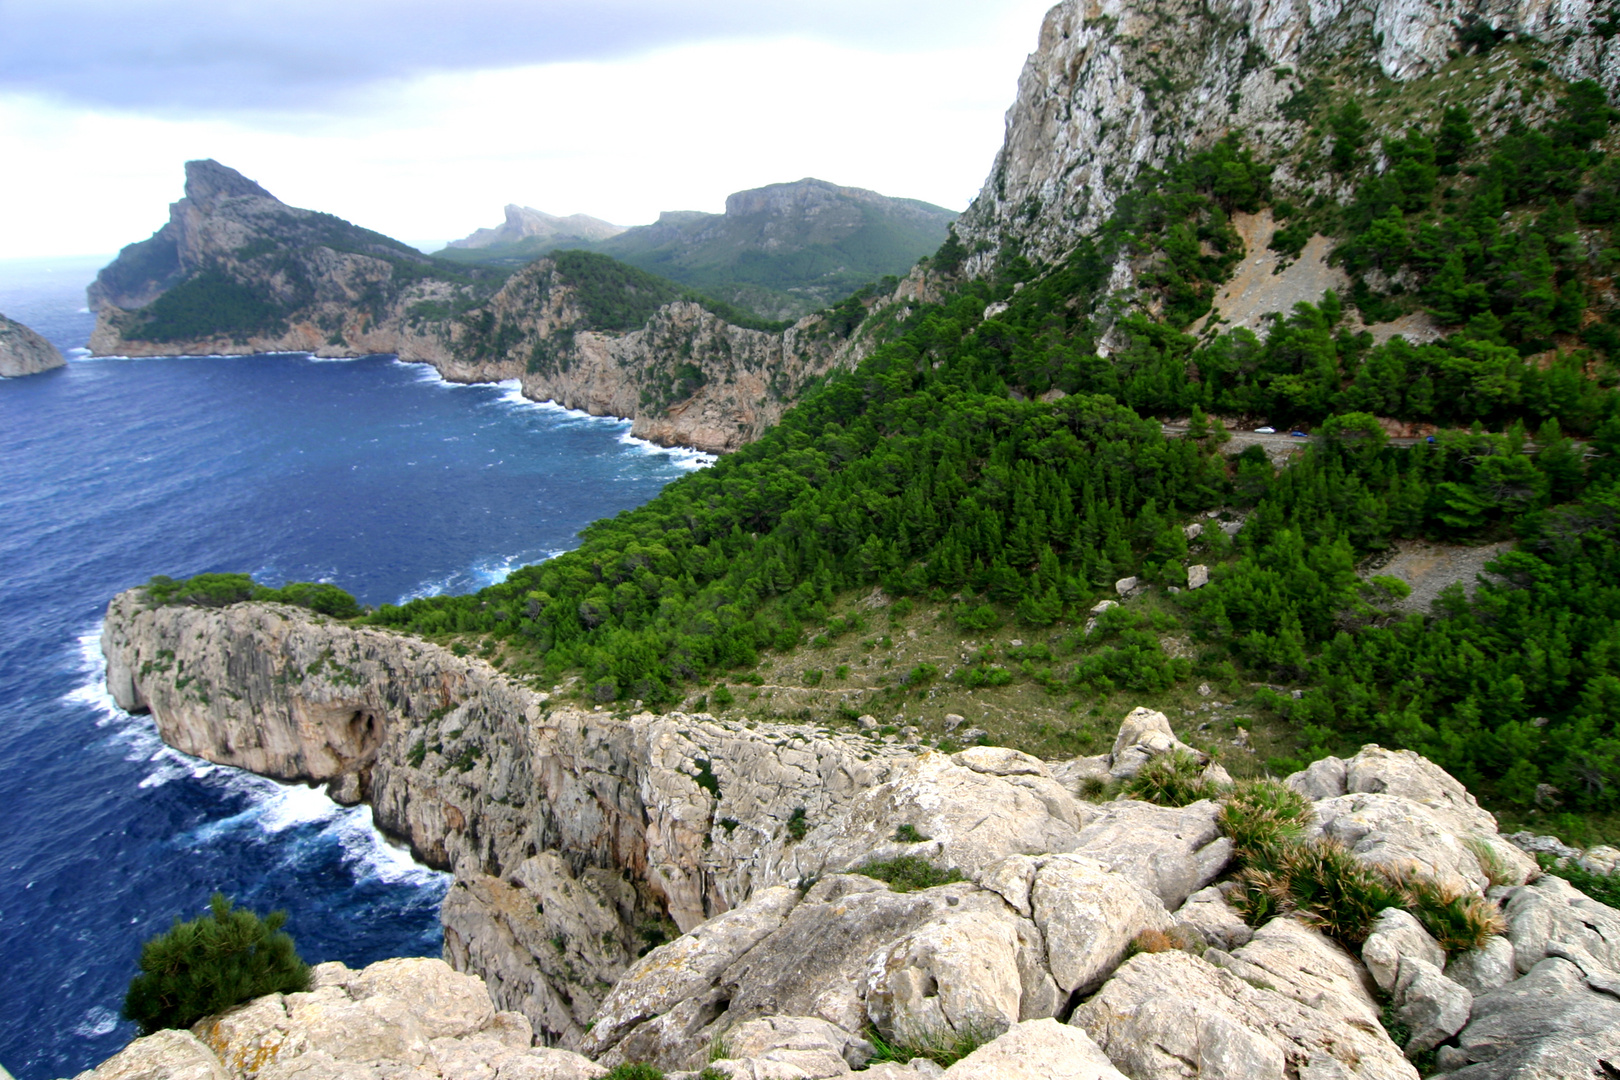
{"points": [[372, 474]]}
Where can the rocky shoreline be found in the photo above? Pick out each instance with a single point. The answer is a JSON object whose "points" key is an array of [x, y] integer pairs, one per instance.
{"points": [[1080, 939]]}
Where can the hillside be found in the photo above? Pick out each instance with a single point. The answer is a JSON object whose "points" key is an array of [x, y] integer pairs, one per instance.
{"points": [[781, 251], [236, 270], [998, 462]]}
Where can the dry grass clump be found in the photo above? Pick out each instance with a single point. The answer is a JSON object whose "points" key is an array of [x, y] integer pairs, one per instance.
{"points": [[1173, 779], [1286, 872]]}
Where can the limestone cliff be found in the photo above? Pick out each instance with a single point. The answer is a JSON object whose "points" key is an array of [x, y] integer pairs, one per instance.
{"points": [[526, 225], [23, 352], [1116, 87], [572, 834], [236, 271], [686, 376]]}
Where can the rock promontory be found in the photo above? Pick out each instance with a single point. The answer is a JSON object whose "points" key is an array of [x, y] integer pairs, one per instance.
{"points": [[696, 893], [24, 352]]}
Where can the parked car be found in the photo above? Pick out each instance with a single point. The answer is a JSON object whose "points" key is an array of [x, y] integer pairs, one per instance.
{"points": [[1265, 431], [1299, 434]]}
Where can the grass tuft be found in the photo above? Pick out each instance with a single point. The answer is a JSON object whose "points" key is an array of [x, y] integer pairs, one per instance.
{"points": [[1283, 872], [944, 1048]]}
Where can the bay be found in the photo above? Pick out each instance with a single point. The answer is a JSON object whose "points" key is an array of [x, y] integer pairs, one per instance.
{"points": [[369, 473]]}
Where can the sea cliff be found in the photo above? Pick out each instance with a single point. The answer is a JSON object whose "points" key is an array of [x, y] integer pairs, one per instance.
{"points": [[575, 836]]}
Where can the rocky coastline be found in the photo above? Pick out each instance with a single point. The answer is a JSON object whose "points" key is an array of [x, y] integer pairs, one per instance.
{"points": [[581, 838]]}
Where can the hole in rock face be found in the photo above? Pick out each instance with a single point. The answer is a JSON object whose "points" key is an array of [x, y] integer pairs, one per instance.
{"points": [[365, 733], [930, 987]]}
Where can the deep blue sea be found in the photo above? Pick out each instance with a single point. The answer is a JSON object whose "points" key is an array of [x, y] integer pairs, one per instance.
{"points": [[368, 473]]}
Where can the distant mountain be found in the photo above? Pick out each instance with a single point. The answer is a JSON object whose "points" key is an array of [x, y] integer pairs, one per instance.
{"points": [[781, 251], [526, 234]]}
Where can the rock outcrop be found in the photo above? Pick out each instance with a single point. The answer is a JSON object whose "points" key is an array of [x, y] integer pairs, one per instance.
{"points": [[24, 352], [1116, 87], [525, 224], [578, 839]]}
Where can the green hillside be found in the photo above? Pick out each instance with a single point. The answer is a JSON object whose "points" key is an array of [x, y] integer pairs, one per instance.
{"points": [[931, 472]]}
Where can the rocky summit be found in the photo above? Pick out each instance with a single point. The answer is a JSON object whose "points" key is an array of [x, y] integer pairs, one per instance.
{"points": [[24, 352], [1048, 934]]}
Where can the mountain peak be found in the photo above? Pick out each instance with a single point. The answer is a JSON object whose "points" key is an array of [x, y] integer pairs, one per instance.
{"points": [[208, 182]]}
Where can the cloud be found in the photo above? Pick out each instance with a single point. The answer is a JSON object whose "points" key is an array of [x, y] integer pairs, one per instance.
{"points": [[220, 57]]}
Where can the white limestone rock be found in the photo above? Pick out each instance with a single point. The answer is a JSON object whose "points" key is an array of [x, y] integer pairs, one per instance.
{"points": [[1483, 969], [1170, 1015], [1397, 935], [1036, 1050], [24, 352], [1431, 1006], [1089, 916], [1170, 851], [163, 1055]]}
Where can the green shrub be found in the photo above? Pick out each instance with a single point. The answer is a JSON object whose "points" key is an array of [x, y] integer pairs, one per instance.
{"points": [[635, 1072], [1173, 779], [908, 834], [1261, 816], [222, 590], [908, 873], [205, 966], [1604, 888], [797, 826]]}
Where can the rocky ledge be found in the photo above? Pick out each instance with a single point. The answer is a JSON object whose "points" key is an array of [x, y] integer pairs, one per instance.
{"points": [[24, 352], [1072, 938]]}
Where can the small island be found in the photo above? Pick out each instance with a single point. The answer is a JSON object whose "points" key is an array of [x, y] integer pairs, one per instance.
{"points": [[23, 352]]}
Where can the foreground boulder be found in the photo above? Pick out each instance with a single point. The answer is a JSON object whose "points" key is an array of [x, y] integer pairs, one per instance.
{"points": [[414, 1019], [1170, 1015]]}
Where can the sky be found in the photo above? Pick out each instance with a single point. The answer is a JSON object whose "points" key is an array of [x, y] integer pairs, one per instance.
{"points": [[423, 118]]}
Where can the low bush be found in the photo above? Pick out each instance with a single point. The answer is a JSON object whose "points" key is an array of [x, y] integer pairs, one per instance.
{"points": [[211, 963], [1604, 888], [636, 1072], [908, 873]]}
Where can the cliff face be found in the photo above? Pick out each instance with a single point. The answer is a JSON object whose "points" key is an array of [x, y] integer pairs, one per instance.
{"points": [[573, 836], [23, 352], [687, 377], [236, 271], [1118, 86], [558, 823]]}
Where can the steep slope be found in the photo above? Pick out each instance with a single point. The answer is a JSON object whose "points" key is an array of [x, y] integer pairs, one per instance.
{"points": [[1119, 87], [23, 352], [787, 249], [235, 270]]}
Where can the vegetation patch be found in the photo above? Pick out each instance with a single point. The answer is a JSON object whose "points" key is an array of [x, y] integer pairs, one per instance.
{"points": [[909, 873], [222, 590]]}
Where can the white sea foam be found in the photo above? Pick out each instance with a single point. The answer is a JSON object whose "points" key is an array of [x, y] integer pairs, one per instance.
{"points": [[272, 807], [682, 457], [97, 1022], [480, 574]]}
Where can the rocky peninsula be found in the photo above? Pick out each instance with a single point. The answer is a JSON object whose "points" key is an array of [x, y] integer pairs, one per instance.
{"points": [[1071, 937], [24, 352]]}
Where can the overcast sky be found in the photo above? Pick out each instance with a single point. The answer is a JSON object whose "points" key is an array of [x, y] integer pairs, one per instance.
{"points": [[422, 118]]}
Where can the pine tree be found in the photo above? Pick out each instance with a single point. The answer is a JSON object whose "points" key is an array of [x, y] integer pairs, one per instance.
{"points": [[205, 966]]}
